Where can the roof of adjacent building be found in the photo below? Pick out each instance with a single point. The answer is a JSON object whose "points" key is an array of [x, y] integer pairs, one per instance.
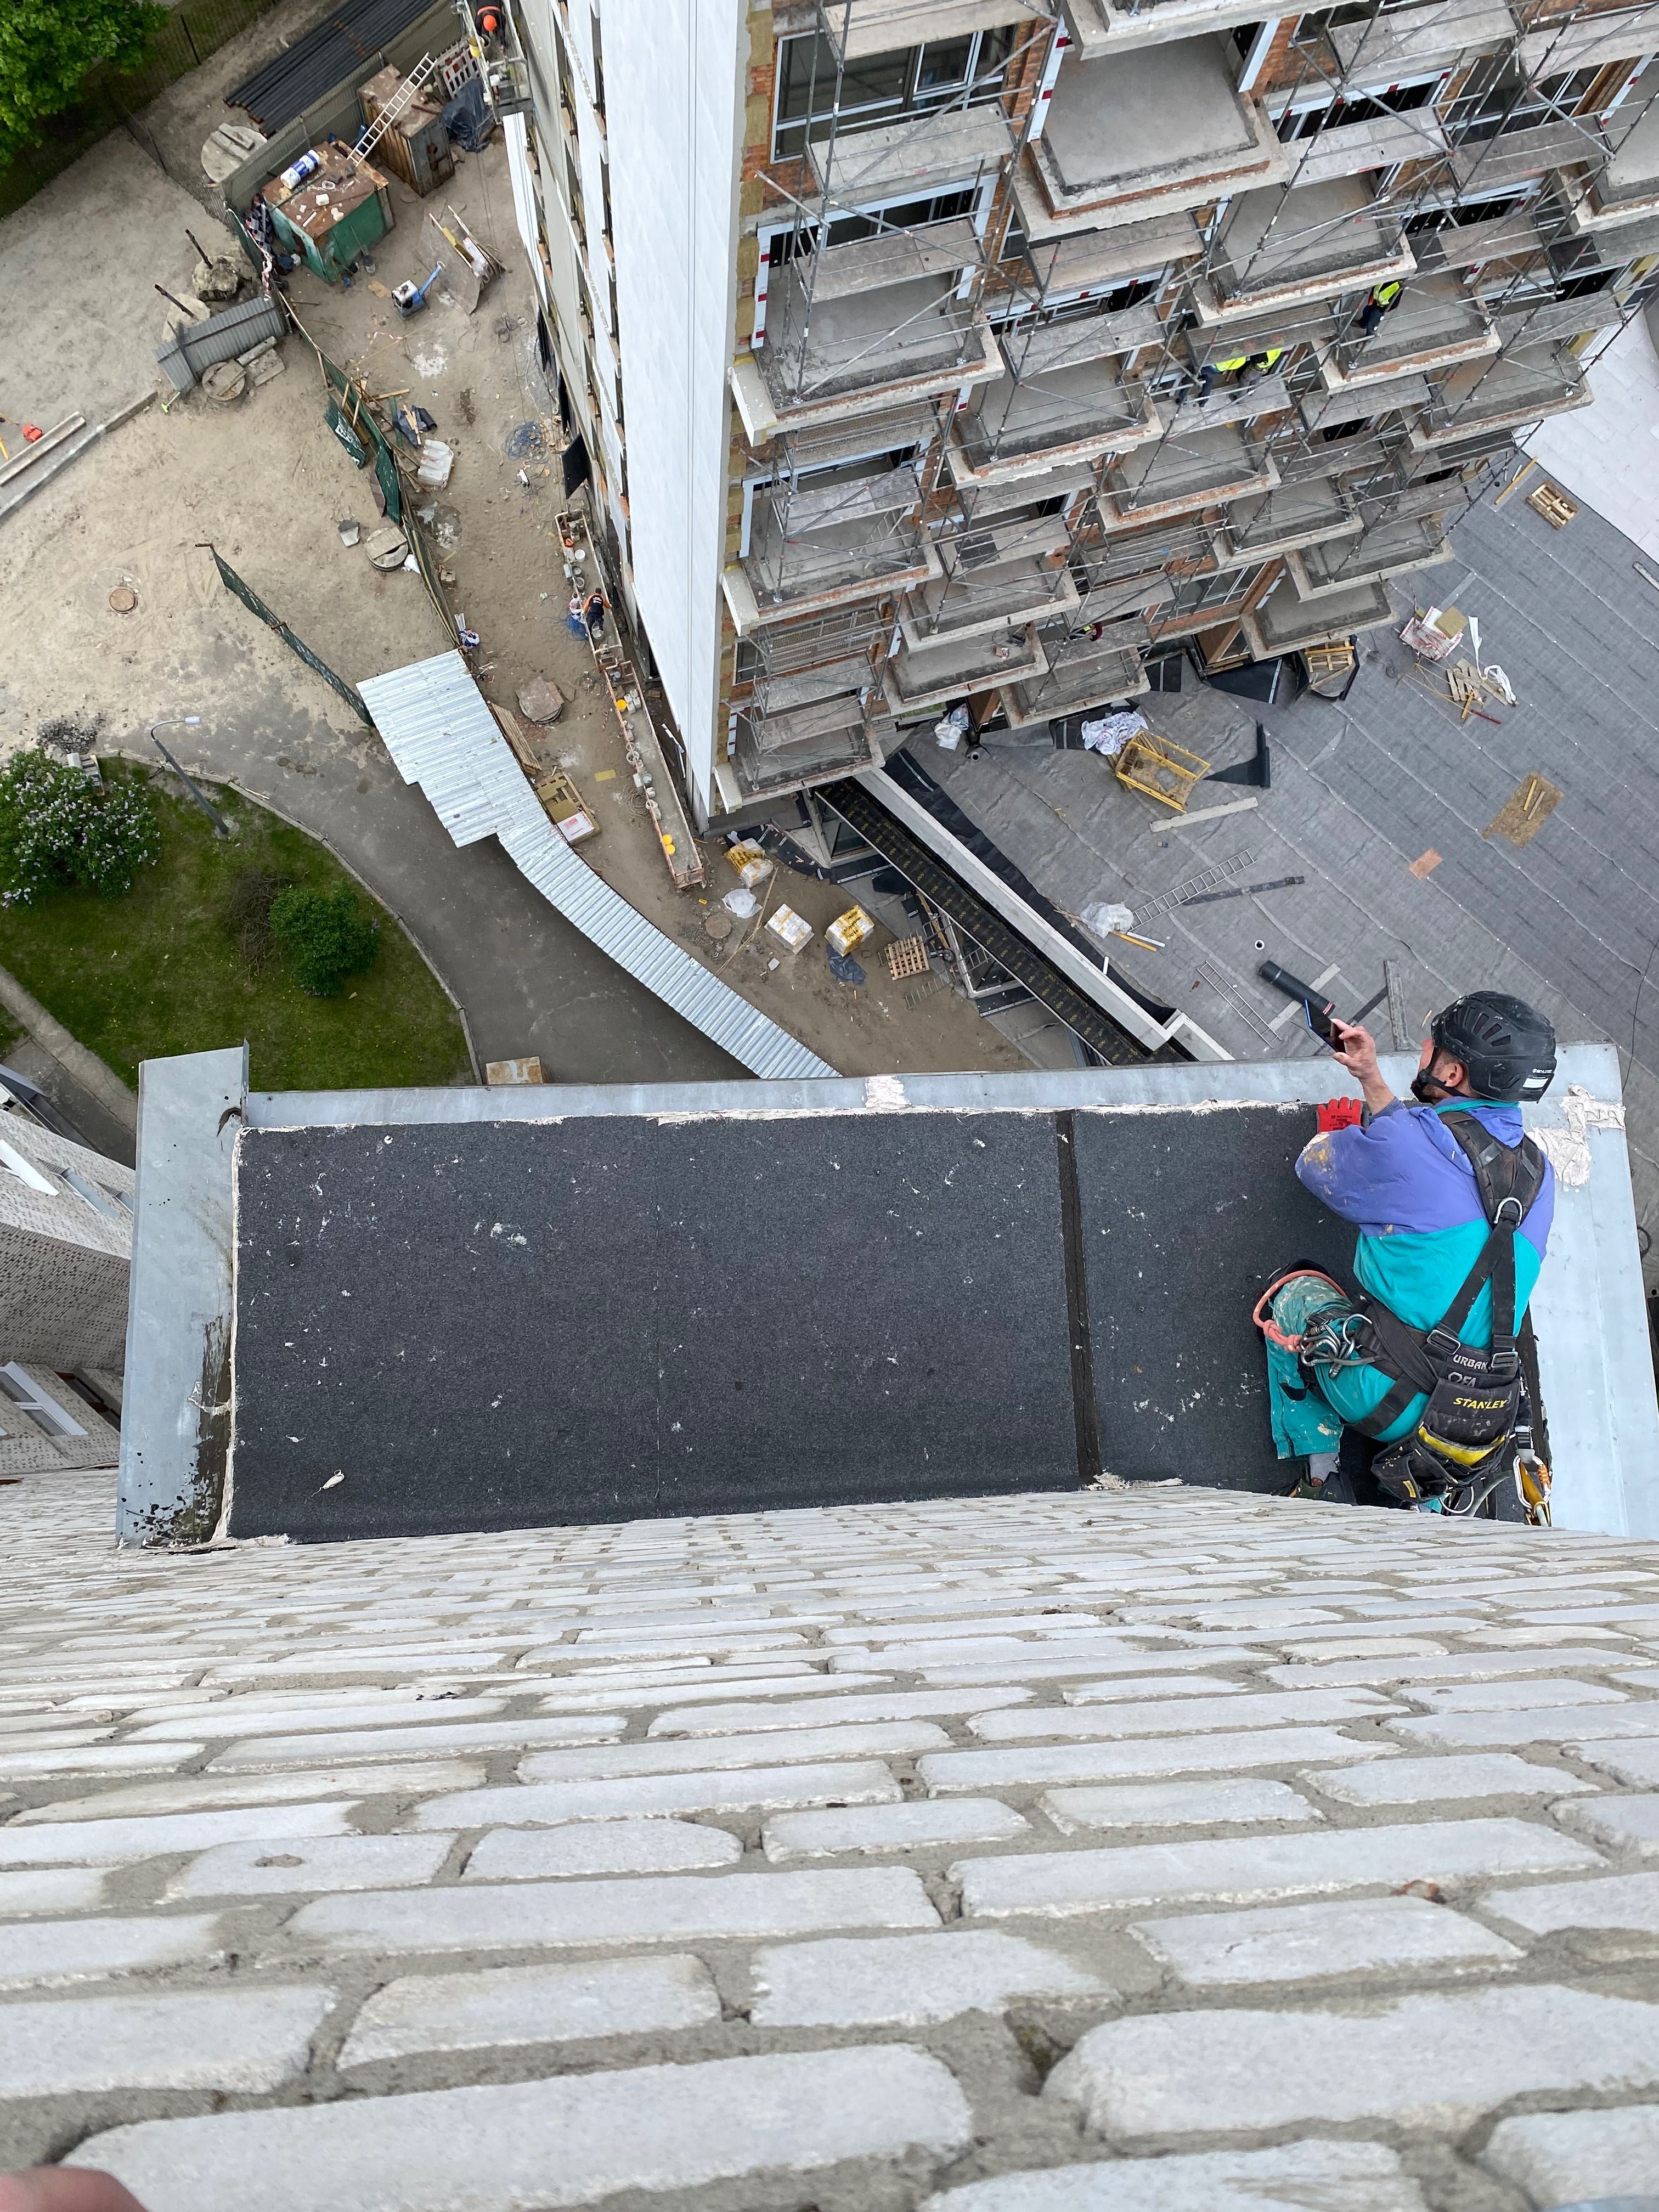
{"points": [[326, 57]]}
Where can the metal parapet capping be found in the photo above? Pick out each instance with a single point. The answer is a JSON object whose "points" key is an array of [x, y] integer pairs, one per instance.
{"points": [[441, 735]]}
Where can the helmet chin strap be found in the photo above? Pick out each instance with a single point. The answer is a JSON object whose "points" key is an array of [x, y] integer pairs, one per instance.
{"points": [[1428, 1093]]}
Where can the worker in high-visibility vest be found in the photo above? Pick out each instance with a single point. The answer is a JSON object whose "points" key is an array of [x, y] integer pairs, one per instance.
{"points": [[1383, 297], [1255, 365]]}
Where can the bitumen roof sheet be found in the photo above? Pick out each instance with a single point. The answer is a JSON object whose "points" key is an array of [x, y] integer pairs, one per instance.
{"points": [[332, 54]]}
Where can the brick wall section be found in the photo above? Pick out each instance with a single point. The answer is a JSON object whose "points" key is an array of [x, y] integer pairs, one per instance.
{"points": [[1180, 1848]]}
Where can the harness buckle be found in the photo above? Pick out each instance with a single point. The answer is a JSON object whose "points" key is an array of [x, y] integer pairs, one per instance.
{"points": [[1443, 1341], [1505, 1364], [1502, 1218]]}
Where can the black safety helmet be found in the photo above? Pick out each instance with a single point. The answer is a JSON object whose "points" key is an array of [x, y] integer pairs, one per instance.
{"points": [[1507, 1047]]}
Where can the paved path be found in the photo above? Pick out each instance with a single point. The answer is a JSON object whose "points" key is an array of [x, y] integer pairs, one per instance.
{"points": [[527, 980]]}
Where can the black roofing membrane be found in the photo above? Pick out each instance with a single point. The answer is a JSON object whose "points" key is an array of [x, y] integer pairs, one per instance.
{"points": [[502, 1325]]}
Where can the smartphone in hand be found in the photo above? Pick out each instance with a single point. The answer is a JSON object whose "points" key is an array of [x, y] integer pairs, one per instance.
{"points": [[1319, 1020]]}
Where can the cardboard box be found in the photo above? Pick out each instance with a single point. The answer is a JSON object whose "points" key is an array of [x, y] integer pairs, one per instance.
{"points": [[849, 930], [793, 928]]}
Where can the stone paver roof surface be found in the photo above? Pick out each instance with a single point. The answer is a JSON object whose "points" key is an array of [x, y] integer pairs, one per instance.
{"points": [[1157, 1852]]}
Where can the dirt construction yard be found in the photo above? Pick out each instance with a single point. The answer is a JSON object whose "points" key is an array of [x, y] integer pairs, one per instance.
{"points": [[265, 482]]}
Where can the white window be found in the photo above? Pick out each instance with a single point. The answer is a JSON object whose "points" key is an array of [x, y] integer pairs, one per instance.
{"points": [[25, 1170], [29, 1398]]}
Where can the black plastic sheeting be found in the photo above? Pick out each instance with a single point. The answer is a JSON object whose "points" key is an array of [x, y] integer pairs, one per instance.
{"points": [[331, 55], [913, 779], [466, 118]]}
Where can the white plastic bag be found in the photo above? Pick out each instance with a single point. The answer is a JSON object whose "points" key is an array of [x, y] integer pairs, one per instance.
{"points": [[1109, 734], [741, 902], [1102, 918]]}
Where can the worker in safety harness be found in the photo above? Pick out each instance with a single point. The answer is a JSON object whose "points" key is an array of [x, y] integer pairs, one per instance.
{"points": [[1453, 1204]]}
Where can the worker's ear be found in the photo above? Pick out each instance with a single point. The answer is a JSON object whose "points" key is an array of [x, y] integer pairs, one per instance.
{"points": [[1449, 1073]]}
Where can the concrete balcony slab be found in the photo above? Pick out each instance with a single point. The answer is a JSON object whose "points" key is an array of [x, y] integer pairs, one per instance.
{"points": [[1094, 251], [1230, 403], [1514, 157], [796, 767], [1158, 120], [916, 678], [899, 257], [1201, 468], [1021, 428], [1544, 320], [1285, 520], [981, 503], [859, 28], [788, 575], [1098, 28], [865, 345], [1434, 323], [1115, 604], [1286, 623], [1328, 410], [1337, 458], [925, 152], [782, 694], [1517, 387], [1591, 41], [1464, 245], [1351, 148], [808, 506], [1207, 345], [974, 605], [1310, 244], [840, 713], [1073, 690], [1038, 351], [1389, 549], [1408, 40]]}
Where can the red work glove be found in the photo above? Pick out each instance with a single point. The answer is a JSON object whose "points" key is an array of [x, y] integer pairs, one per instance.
{"points": [[1335, 1114]]}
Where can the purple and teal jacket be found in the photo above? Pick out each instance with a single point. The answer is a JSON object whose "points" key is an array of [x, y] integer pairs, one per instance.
{"points": [[1411, 1193]]}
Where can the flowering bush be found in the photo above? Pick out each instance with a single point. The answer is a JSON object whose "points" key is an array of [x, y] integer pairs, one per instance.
{"points": [[59, 826], [327, 937]]}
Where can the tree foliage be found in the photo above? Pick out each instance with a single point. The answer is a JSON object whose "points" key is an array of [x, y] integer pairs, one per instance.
{"points": [[325, 935], [59, 826], [46, 47]]}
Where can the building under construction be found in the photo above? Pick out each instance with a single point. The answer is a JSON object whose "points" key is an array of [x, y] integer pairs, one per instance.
{"points": [[928, 353]]}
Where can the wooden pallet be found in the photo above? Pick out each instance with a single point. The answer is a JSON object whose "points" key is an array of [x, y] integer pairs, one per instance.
{"points": [[1557, 509], [906, 956]]}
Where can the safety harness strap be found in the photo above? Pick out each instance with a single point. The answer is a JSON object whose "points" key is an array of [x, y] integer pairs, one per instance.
{"points": [[1509, 1179]]}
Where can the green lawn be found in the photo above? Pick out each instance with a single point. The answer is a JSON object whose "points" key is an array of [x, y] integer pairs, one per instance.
{"points": [[160, 971]]}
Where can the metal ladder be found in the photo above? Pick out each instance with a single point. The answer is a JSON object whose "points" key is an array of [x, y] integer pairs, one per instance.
{"points": [[417, 78]]}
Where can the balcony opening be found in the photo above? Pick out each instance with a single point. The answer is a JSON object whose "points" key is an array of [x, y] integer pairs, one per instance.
{"points": [[877, 89]]}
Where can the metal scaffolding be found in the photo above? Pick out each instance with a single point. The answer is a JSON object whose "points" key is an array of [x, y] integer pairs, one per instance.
{"points": [[1087, 460]]}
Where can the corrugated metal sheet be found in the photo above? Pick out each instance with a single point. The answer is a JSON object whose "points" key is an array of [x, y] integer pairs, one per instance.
{"points": [[329, 56], [222, 337], [443, 737]]}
